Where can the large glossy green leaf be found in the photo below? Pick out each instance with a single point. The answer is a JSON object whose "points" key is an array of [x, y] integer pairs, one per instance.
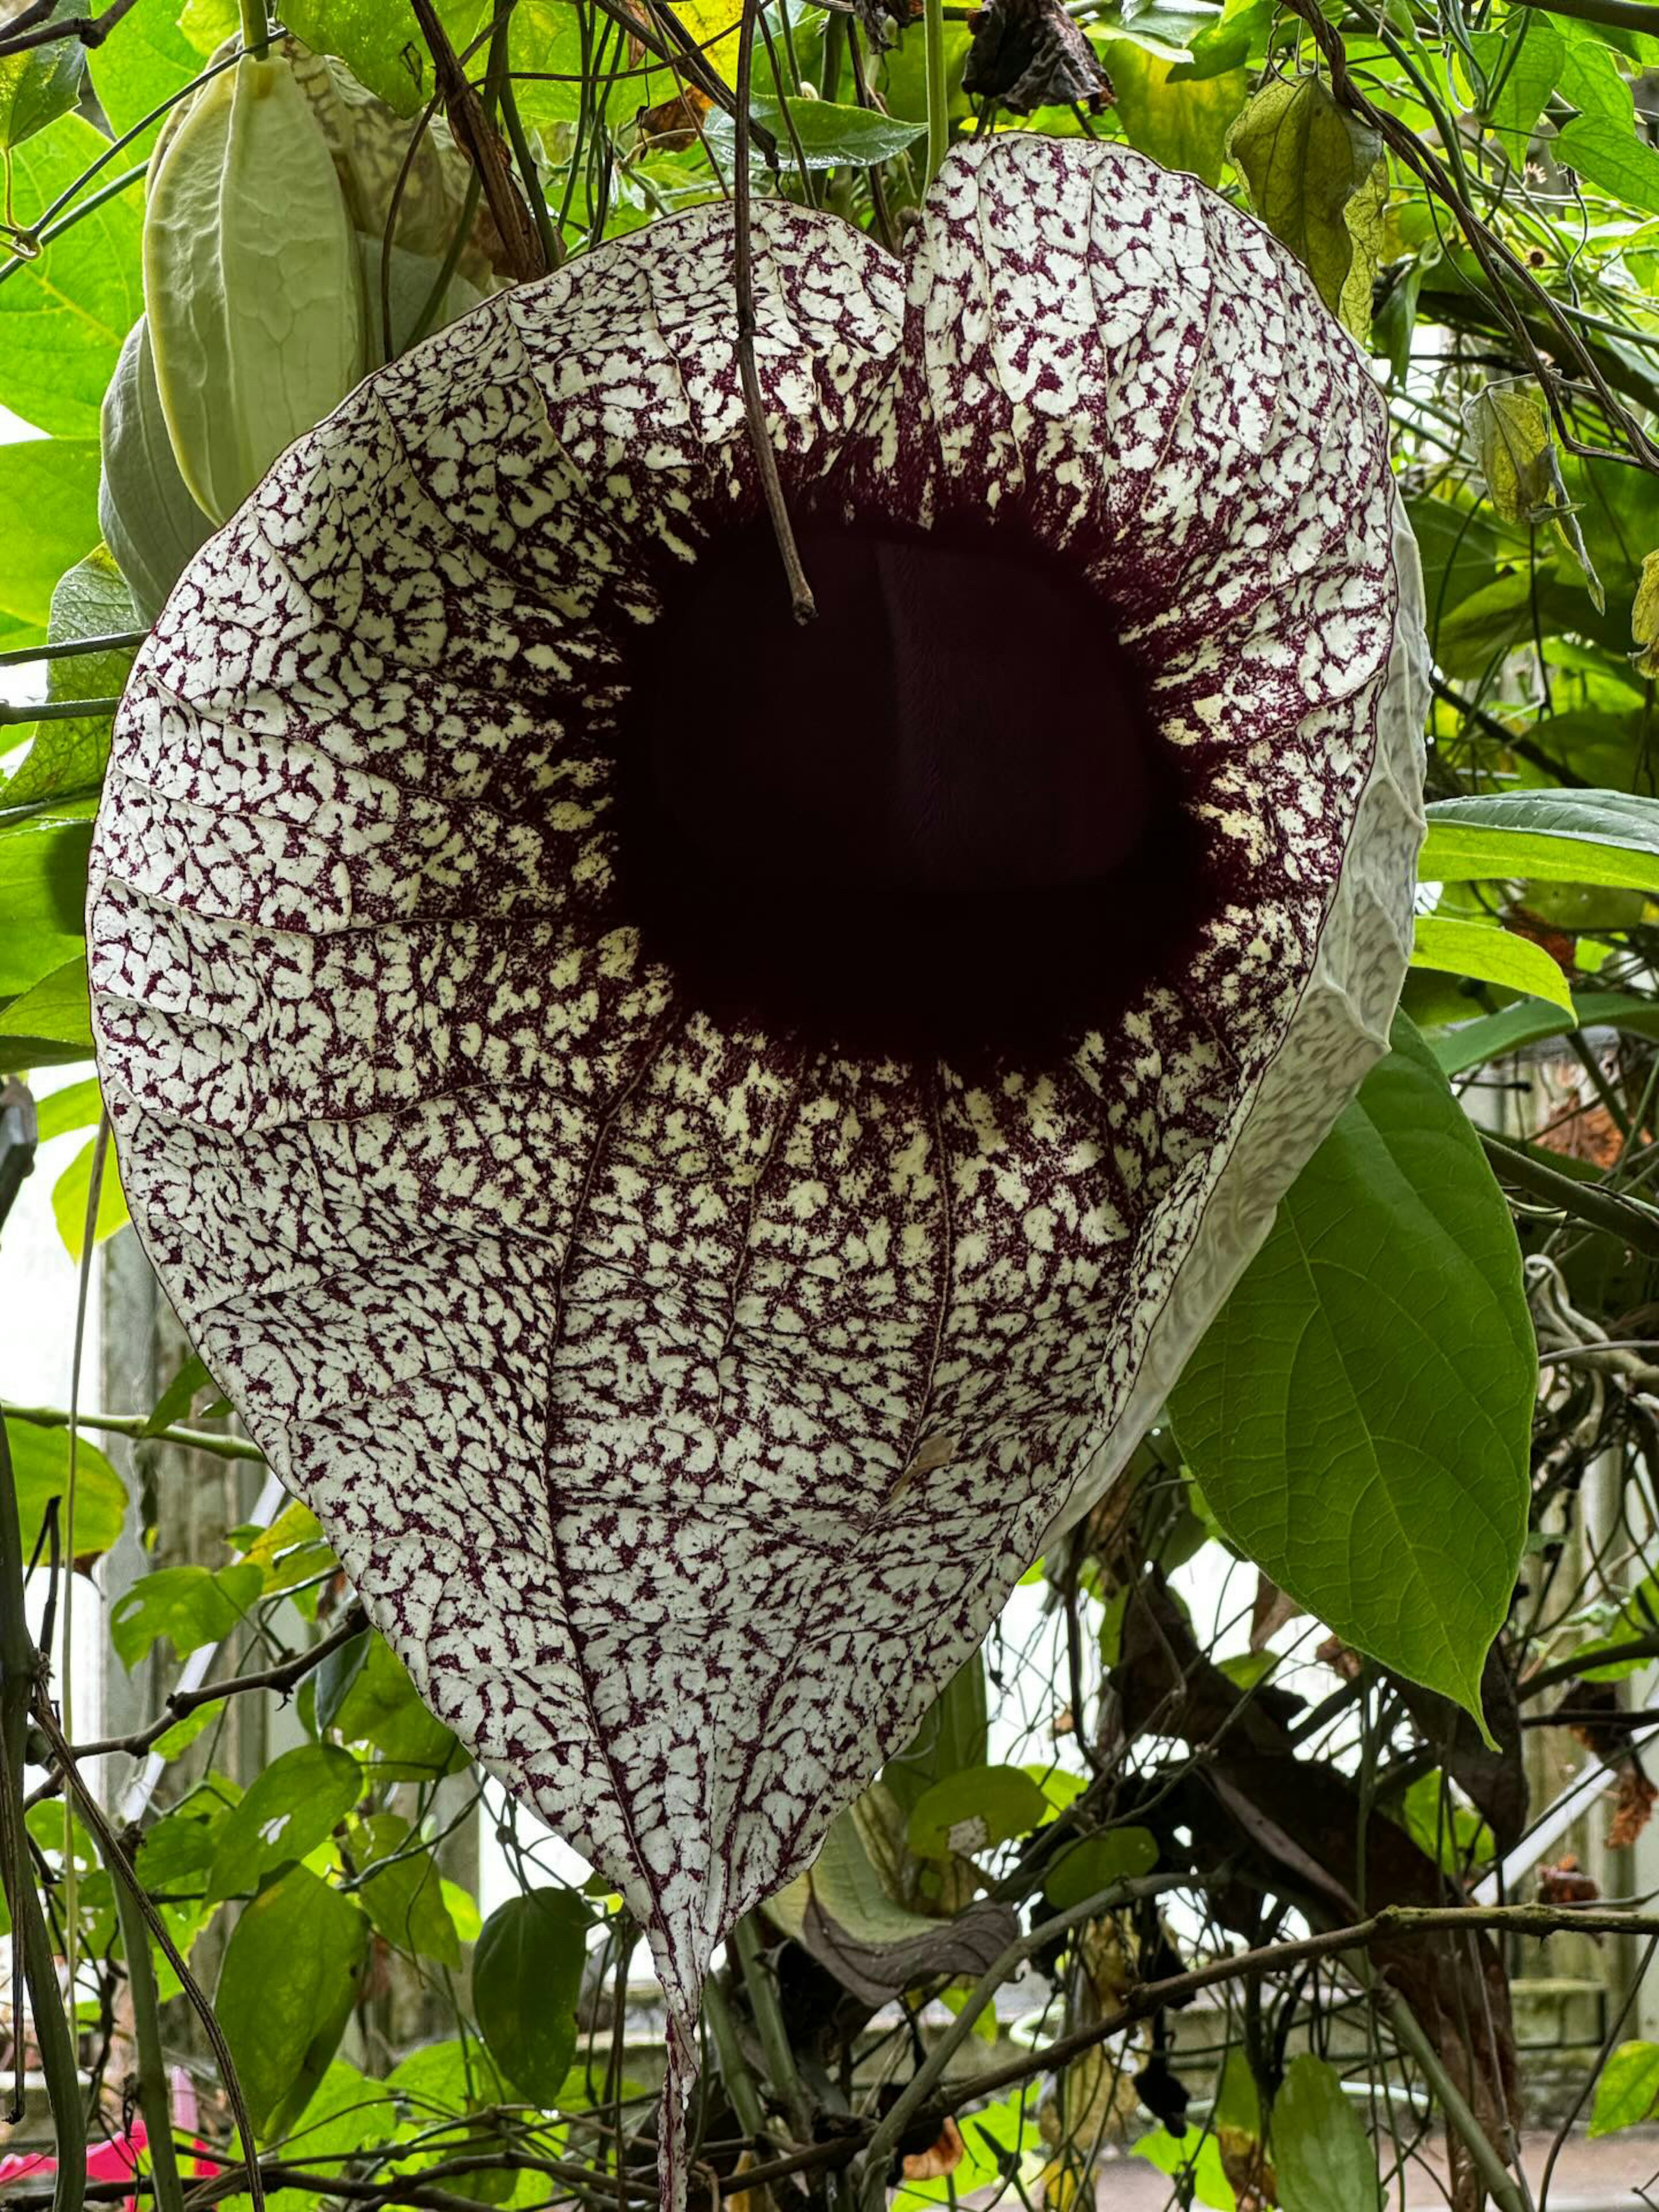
{"points": [[41, 83], [54, 482], [62, 318], [526, 1975], [286, 1990], [404, 1896], [51, 1021], [380, 45], [290, 1806], [372, 1700], [1523, 65], [547, 45], [1490, 954], [1179, 120], [1095, 1863], [1560, 837], [1602, 142], [43, 893], [1358, 1415], [1320, 2152], [1530, 1021], [39, 1465], [145, 60]]}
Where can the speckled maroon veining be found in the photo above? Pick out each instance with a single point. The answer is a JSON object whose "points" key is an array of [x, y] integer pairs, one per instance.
{"points": [[683, 1402]]}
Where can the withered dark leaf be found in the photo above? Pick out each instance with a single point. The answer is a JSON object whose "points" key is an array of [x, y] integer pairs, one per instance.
{"points": [[1030, 53]]}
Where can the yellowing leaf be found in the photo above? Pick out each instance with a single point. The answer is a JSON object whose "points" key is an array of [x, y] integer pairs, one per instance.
{"points": [[1318, 180], [1179, 119], [1523, 474], [1512, 435], [1644, 617]]}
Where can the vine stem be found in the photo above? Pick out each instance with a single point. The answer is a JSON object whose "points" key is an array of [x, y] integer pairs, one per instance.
{"points": [[938, 91], [122, 1875], [766, 461], [1498, 2181], [255, 26], [154, 2098], [763, 2003], [18, 1662]]}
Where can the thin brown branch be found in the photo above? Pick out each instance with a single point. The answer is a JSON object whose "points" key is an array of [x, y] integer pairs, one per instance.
{"points": [[29, 31], [283, 1677], [766, 461]]}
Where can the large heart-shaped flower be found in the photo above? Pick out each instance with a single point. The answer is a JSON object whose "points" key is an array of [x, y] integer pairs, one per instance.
{"points": [[693, 1141]]}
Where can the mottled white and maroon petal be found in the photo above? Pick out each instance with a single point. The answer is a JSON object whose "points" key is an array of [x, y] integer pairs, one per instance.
{"points": [[683, 1397]]}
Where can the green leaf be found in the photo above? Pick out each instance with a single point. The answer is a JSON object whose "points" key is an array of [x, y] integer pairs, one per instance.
{"points": [[1490, 954], [150, 523], [954, 1734], [1530, 1021], [173, 1741], [286, 1989], [40, 1466], [289, 1807], [1603, 144], [75, 1106], [66, 759], [380, 45], [975, 1809], [1180, 120], [179, 1849], [72, 1190], [1318, 180], [831, 137], [1557, 837], [526, 1975], [63, 317], [53, 481], [1524, 61], [346, 2113], [1628, 2090], [51, 1022], [146, 59], [42, 83], [406, 1898], [380, 1704], [1359, 1414], [43, 893], [1097, 1862], [1194, 2158], [206, 24], [1320, 2152], [175, 1402], [189, 1606], [546, 35]]}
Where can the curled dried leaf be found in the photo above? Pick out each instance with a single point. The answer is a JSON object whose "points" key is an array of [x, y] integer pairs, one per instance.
{"points": [[1030, 53]]}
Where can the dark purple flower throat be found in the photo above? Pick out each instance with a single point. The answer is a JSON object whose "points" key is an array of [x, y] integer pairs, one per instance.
{"points": [[940, 817]]}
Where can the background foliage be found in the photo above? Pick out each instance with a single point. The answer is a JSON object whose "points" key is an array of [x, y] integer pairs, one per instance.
{"points": [[1475, 189]]}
